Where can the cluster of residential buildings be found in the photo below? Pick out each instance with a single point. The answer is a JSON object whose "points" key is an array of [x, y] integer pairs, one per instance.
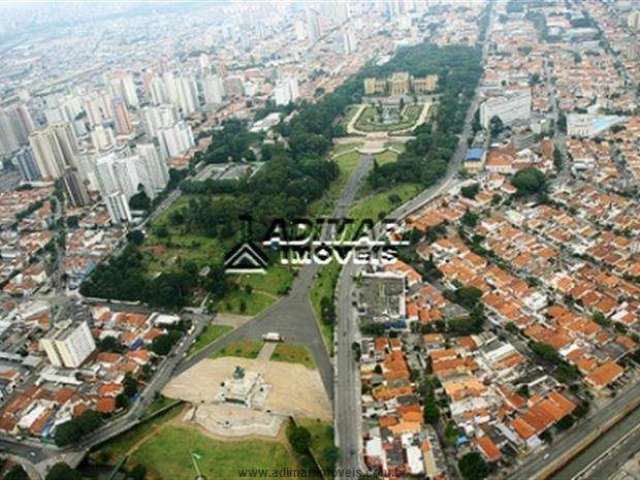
{"points": [[542, 276], [478, 376], [57, 371], [556, 274], [22, 248]]}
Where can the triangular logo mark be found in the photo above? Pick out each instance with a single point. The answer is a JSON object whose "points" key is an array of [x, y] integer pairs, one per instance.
{"points": [[246, 258]]}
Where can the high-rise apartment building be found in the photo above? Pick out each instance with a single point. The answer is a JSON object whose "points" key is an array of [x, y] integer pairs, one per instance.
{"points": [[54, 149], [121, 116], [75, 190], [98, 108], [157, 117], [15, 126], [117, 181], [26, 164], [349, 41], [152, 170], [102, 138], [313, 26], [182, 92], [176, 140], [69, 344], [157, 91], [286, 91], [213, 89], [121, 84]]}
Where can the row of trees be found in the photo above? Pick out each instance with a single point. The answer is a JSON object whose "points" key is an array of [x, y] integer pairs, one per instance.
{"points": [[78, 427], [62, 471], [123, 277]]}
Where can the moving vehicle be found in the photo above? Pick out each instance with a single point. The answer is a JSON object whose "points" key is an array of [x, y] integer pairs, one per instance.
{"points": [[272, 337]]}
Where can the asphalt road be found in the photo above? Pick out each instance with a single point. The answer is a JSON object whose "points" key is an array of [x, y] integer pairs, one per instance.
{"points": [[616, 457], [593, 423]]}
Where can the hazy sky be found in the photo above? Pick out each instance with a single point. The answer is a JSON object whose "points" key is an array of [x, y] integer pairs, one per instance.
{"points": [[19, 16]]}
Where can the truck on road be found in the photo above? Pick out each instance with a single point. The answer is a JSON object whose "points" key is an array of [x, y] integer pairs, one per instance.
{"points": [[272, 337]]}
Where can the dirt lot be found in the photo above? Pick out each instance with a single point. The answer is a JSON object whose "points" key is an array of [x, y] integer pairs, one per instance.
{"points": [[295, 389]]}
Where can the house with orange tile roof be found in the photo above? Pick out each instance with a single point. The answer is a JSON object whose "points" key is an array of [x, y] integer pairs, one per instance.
{"points": [[604, 375], [110, 390], [106, 405], [488, 449], [401, 268]]}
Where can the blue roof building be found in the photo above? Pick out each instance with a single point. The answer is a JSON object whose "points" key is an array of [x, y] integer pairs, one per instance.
{"points": [[474, 155]]}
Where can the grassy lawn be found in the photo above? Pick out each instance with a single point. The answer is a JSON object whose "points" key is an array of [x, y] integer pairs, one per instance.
{"points": [[323, 286], [241, 348], [399, 146], [113, 450], [369, 122], [265, 290], [158, 404], [349, 113], [276, 281], [321, 438], [286, 352], [240, 302], [325, 205], [208, 335], [167, 455], [166, 253], [341, 148], [377, 205], [386, 157]]}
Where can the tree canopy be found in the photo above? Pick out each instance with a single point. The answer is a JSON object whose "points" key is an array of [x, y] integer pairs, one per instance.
{"points": [[73, 430], [529, 181], [473, 467], [62, 471], [16, 473]]}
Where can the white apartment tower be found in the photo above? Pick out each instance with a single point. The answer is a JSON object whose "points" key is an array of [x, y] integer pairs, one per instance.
{"points": [[54, 149], [157, 91], [349, 42], [102, 138], [161, 116], [213, 89], [98, 108], [69, 344], [188, 95], [121, 84], [152, 171], [176, 140], [313, 26], [117, 181], [286, 91], [182, 92]]}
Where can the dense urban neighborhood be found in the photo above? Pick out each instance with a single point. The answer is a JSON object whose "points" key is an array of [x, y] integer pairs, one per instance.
{"points": [[346, 239]]}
